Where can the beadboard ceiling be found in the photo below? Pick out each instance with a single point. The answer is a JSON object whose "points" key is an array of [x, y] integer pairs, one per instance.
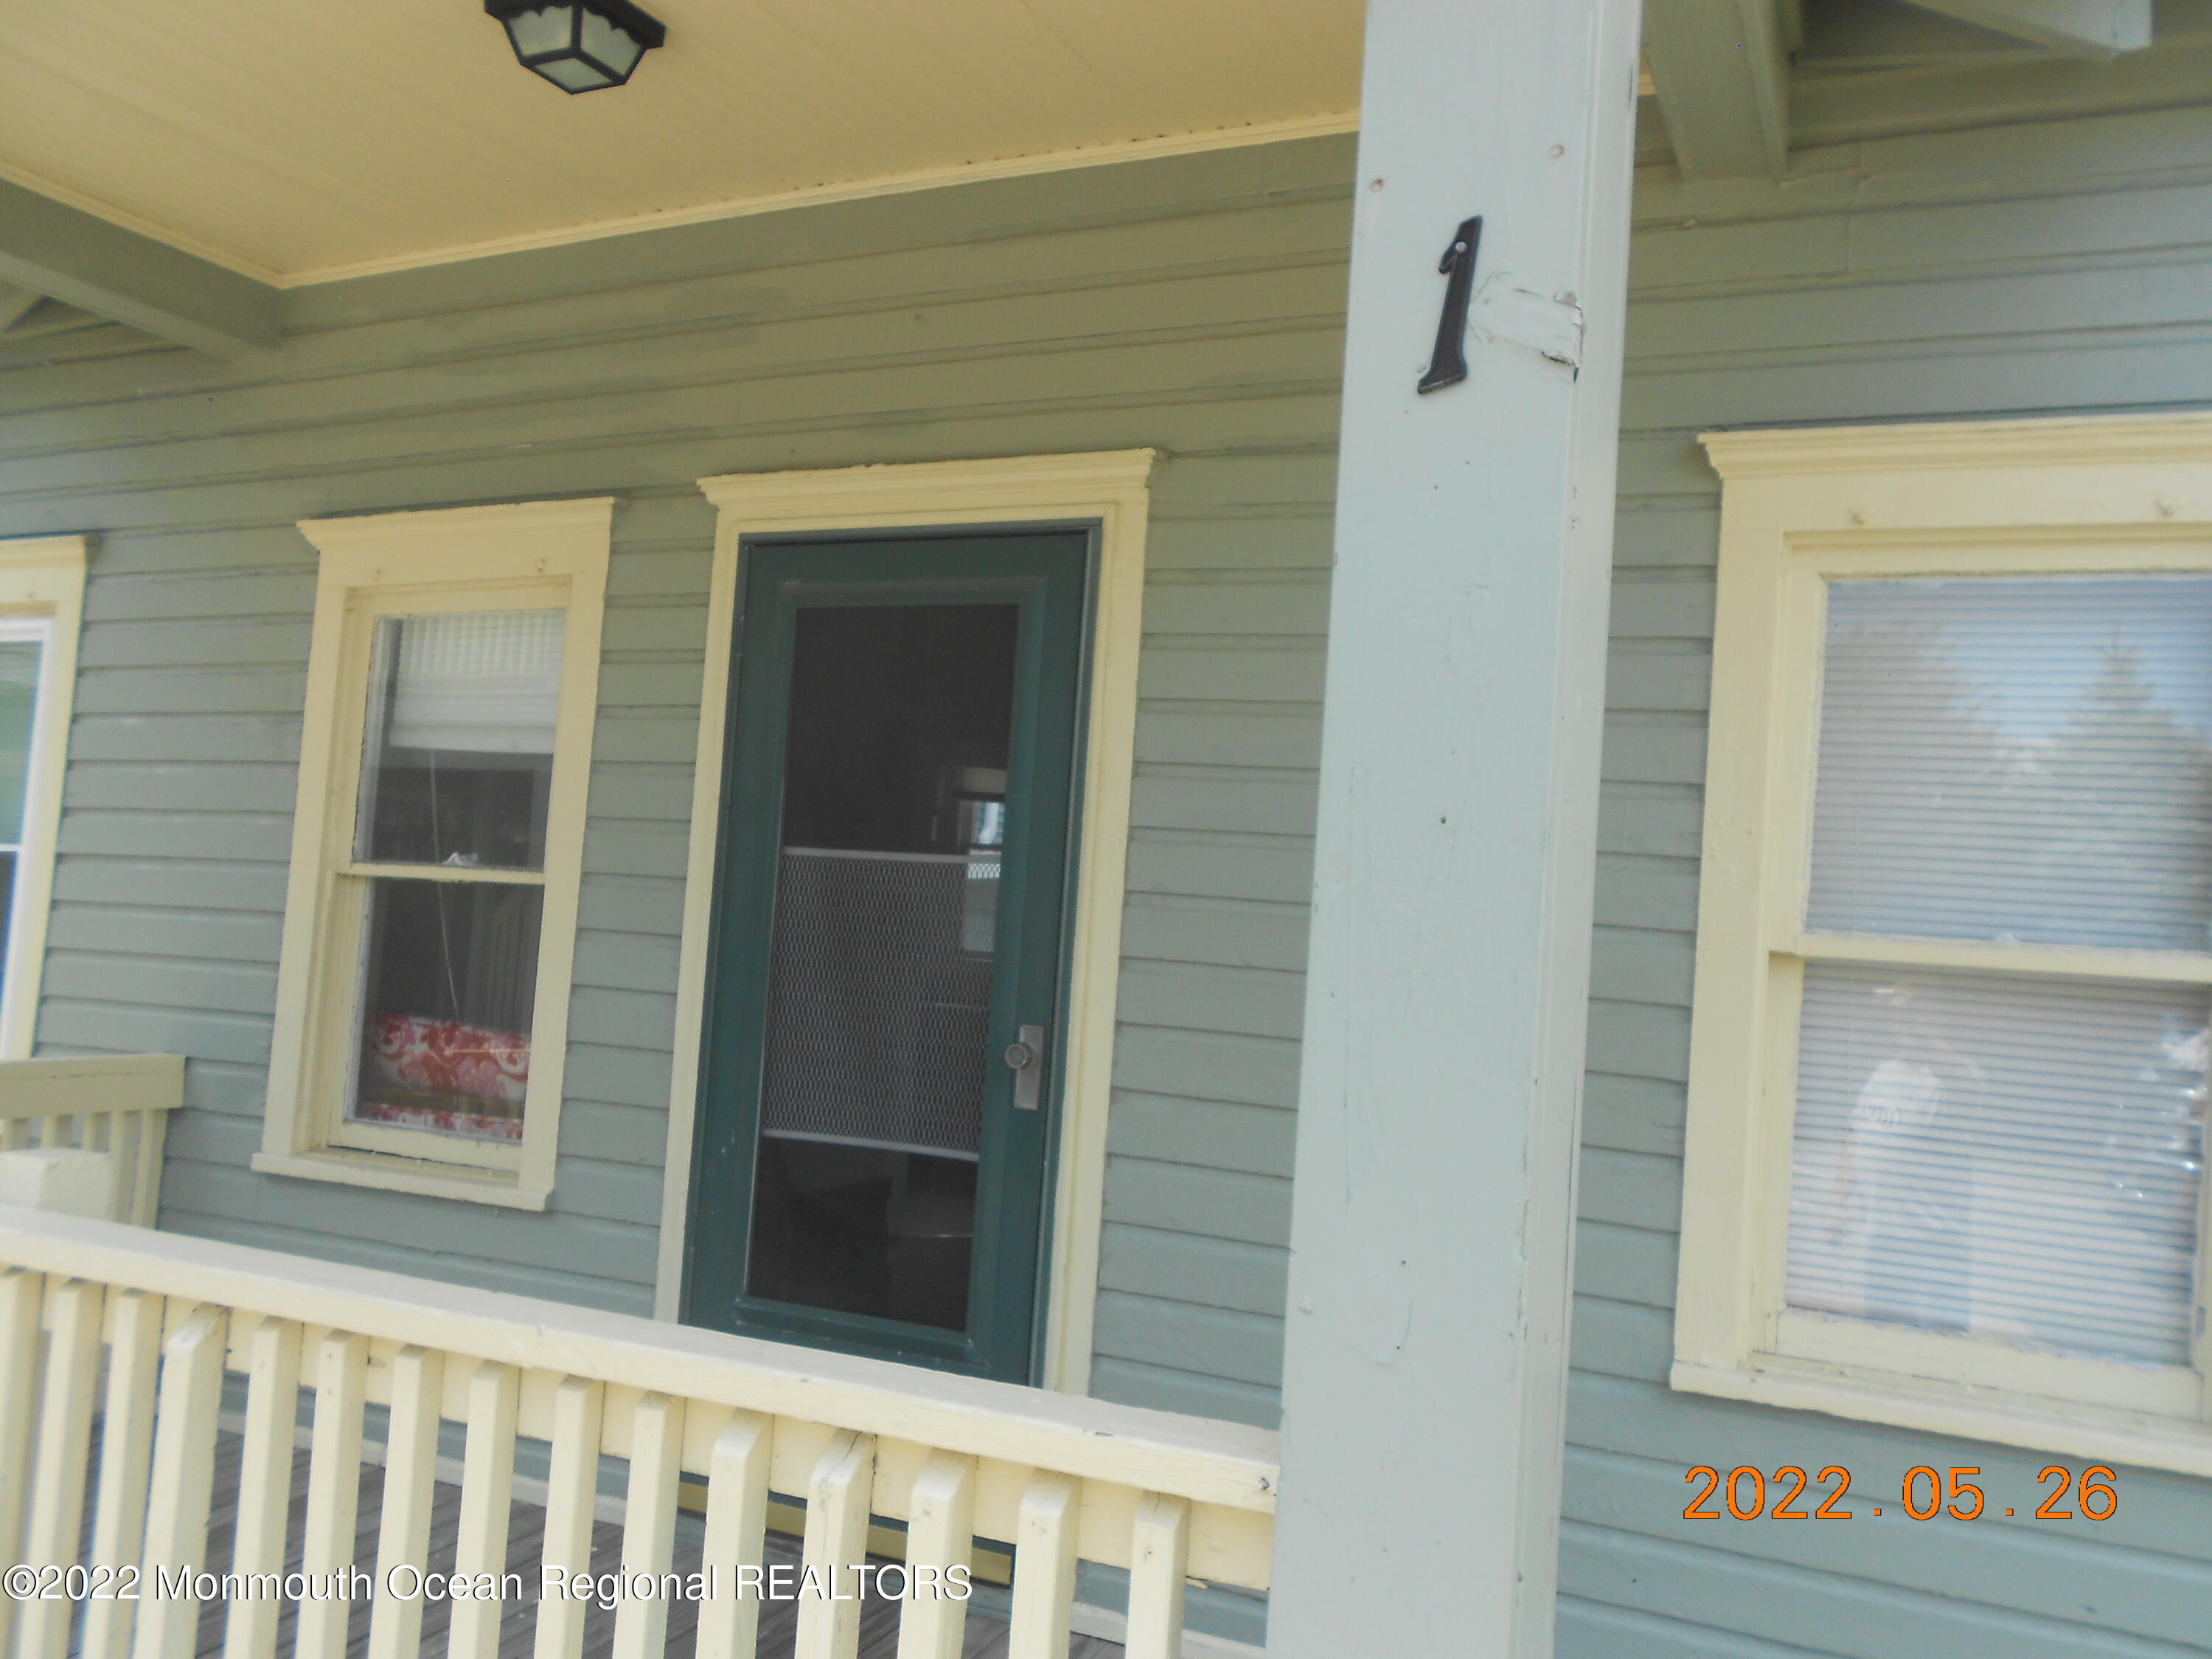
{"points": [[294, 139]]}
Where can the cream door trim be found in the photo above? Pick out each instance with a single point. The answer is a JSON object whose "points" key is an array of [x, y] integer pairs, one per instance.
{"points": [[1107, 488], [41, 577]]}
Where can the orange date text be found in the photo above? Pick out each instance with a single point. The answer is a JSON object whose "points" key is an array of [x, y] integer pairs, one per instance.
{"points": [[1926, 1493]]}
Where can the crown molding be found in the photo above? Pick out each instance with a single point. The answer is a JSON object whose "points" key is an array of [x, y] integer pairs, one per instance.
{"points": [[1933, 446], [592, 513], [45, 552], [852, 494]]}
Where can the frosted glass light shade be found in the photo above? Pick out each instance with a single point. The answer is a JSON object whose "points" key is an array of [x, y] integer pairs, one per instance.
{"points": [[580, 45]]}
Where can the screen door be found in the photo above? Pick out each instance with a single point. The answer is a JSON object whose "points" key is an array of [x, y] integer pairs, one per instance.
{"points": [[877, 1104]]}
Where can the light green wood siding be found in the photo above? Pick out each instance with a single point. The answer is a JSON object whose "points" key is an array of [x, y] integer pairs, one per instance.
{"points": [[2063, 266], [1195, 305]]}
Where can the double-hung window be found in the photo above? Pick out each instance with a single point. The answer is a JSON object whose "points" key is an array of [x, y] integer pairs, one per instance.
{"points": [[438, 849], [1946, 1158], [42, 604]]}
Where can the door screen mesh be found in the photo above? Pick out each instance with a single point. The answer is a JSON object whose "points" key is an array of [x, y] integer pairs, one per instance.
{"points": [[876, 1013]]}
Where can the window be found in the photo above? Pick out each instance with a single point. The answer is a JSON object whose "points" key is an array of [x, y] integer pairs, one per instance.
{"points": [[1946, 1151], [41, 602], [437, 849]]}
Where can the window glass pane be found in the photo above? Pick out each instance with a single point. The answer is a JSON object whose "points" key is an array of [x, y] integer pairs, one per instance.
{"points": [[8, 862], [2011, 1157], [2017, 759], [457, 756], [448, 983], [19, 706], [882, 958]]}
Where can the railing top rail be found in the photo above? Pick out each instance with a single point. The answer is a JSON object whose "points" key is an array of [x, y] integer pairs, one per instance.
{"points": [[52, 1087], [1207, 1463]]}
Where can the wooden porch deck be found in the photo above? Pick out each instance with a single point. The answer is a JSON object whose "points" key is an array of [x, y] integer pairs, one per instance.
{"points": [[986, 1636]]}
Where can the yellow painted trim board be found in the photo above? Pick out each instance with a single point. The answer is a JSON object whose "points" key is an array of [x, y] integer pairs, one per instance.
{"points": [[41, 577], [548, 553], [1932, 1406], [1800, 507], [1108, 489], [66, 1086]]}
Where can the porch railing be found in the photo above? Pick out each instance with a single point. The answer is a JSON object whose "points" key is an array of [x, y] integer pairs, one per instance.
{"points": [[1059, 1479], [118, 1105]]}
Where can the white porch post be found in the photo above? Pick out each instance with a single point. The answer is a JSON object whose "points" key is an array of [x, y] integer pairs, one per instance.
{"points": [[1426, 1370]]}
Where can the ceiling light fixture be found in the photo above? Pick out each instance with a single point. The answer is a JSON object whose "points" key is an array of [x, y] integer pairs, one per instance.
{"points": [[580, 45]]}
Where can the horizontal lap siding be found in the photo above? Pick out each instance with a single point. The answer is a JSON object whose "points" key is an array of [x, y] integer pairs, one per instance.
{"points": [[1192, 306], [2056, 267]]}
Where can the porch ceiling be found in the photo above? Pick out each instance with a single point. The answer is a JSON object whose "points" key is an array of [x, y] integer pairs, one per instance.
{"points": [[288, 141], [174, 167]]}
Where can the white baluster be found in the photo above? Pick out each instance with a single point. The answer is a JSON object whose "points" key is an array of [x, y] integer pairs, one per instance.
{"points": [[127, 1450], [736, 1523], [940, 1533], [122, 1148], [265, 1482], [333, 1494], [180, 1484], [837, 1543], [649, 1522], [1159, 1558], [487, 1489], [19, 1392], [410, 1481], [1044, 1568], [571, 1484], [64, 1449], [144, 1182]]}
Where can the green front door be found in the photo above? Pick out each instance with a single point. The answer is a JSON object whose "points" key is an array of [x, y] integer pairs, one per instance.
{"points": [[877, 1102]]}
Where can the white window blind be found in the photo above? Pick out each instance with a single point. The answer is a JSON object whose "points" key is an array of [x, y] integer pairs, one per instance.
{"points": [[2017, 761], [481, 682], [2001, 1156]]}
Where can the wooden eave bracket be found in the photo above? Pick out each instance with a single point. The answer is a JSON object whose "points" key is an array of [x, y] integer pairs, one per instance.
{"points": [[15, 304], [1720, 68], [2090, 28], [48, 247]]}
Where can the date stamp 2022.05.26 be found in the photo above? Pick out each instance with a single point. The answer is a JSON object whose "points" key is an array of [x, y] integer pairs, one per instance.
{"points": [[1959, 1493]]}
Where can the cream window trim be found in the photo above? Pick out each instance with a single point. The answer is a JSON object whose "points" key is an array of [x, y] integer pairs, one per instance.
{"points": [[41, 580], [1799, 507], [548, 554], [1107, 488]]}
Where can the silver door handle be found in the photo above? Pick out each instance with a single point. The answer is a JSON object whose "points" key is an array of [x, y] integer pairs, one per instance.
{"points": [[1026, 1056]]}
